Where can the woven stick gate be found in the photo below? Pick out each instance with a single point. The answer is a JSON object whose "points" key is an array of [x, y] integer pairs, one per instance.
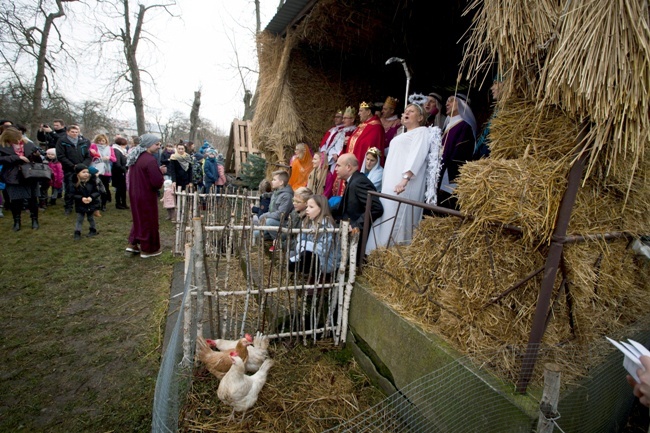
{"points": [[240, 287]]}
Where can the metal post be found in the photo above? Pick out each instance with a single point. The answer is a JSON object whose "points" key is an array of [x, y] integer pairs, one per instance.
{"points": [[366, 229], [550, 270]]}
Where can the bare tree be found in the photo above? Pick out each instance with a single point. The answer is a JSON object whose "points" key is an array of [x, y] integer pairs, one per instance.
{"points": [[130, 36], [194, 115], [31, 40]]}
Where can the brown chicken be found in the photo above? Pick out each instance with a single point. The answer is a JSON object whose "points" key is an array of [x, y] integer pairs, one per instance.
{"points": [[218, 363], [257, 352]]}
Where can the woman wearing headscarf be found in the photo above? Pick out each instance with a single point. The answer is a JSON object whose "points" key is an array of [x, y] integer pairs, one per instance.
{"points": [[14, 152], [301, 166], [145, 179], [458, 141], [372, 168], [180, 168]]}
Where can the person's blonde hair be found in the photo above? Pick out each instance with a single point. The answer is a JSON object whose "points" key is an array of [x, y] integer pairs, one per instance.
{"points": [[10, 136], [99, 137], [282, 175], [304, 193]]}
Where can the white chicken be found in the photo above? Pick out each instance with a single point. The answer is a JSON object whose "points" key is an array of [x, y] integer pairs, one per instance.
{"points": [[257, 353], [240, 391]]}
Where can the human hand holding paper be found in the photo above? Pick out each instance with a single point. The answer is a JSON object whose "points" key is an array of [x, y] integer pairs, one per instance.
{"points": [[641, 389]]}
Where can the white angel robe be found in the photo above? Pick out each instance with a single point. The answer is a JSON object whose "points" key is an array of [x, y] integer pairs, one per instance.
{"points": [[408, 152]]}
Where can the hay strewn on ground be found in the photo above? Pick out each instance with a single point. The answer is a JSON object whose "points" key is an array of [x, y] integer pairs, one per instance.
{"points": [[309, 389]]}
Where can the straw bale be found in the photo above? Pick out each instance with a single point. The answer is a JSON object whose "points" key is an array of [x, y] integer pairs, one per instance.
{"points": [[525, 192], [606, 289], [521, 129]]}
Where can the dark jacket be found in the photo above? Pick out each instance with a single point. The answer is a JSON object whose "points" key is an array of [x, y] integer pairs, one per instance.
{"points": [[70, 155], [88, 189], [164, 157], [51, 138], [353, 203], [281, 203], [118, 170], [11, 162], [181, 177]]}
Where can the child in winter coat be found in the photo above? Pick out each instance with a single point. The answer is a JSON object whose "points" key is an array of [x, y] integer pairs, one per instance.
{"points": [[56, 183], [316, 253], [169, 200], [86, 200], [281, 205], [265, 200]]}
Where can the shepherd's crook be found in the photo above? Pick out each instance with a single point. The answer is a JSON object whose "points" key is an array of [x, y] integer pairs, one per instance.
{"points": [[408, 75]]}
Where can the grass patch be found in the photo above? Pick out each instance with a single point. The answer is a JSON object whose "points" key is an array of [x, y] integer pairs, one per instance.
{"points": [[81, 325]]}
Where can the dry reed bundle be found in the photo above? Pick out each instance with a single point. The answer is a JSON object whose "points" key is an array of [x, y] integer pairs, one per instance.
{"points": [[277, 126], [521, 129], [309, 389], [599, 68], [513, 33], [525, 192]]}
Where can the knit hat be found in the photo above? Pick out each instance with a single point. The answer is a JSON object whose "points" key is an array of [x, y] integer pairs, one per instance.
{"points": [[51, 152], [80, 167], [148, 140], [210, 150]]}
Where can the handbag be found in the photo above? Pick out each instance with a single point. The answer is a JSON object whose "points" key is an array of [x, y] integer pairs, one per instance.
{"points": [[100, 166], [36, 170]]}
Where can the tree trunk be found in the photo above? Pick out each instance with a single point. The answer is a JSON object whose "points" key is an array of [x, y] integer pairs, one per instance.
{"points": [[194, 116], [130, 50], [37, 96]]}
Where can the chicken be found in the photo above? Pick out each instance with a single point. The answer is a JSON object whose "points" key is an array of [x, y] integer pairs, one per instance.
{"points": [[218, 363], [240, 391], [257, 353]]}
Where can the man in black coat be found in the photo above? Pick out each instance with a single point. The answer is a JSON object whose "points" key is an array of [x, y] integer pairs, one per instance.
{"points": [[71, 150], [353, 203], [51, 136]]}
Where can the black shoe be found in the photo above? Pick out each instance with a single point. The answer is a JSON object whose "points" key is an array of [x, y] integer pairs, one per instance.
{"points": [[52, 202], [77, 236], [35, 225], [68, 211], [92, 233], [16, 224]]}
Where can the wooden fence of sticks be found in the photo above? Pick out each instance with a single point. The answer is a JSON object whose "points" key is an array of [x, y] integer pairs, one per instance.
{"points": [[238, 286]]}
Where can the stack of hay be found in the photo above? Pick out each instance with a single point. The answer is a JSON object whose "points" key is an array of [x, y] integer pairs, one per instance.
{"points": [[460, 274]]}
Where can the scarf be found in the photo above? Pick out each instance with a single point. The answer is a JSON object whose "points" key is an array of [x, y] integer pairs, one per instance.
{"points": [[184, 160], [117, 148]]}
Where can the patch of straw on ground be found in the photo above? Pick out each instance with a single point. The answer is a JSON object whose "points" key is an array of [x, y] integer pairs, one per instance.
{"points": [[309, 389]]}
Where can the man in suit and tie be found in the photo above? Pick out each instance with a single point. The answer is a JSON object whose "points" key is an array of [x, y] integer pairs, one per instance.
{"points": [[353, 203]]}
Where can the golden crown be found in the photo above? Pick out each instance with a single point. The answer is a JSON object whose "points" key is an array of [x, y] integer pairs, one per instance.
{"points": [[339, 112], [350, 112], [365, 105], [391, 102]]}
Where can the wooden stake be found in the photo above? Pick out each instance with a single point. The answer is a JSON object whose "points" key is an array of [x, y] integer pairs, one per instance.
{"points": [[548, 405]]}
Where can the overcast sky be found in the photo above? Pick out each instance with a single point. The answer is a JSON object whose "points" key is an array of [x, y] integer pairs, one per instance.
{"points": [[195, 50]]}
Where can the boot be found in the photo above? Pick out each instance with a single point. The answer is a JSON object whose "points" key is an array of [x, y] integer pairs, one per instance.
{"points": [[77, 235], [52, 201], [16, 224], [35, 225], [1, 214], [93, 232]]}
